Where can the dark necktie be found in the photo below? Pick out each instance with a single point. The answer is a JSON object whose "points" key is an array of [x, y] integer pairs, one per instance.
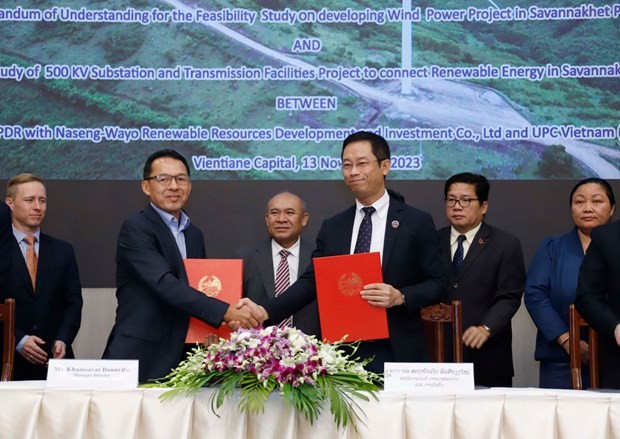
{"points": [[31, 259], [283, 281], [364, 236], [457, 261]]}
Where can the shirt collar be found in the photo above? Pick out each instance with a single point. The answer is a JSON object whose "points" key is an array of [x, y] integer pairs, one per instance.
{"points": [[170, 219], [381, 205], [454, 234], [19, 235], [294, 249]]}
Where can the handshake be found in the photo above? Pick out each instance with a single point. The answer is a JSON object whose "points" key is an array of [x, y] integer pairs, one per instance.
{"points": [[245, 314]]}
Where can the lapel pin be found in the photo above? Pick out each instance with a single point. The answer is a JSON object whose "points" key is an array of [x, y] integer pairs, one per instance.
{"points": [[395, 224], [480, 242]]}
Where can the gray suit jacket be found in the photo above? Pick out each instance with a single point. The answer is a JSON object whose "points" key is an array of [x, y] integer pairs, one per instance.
{"points": [[259, 281]]}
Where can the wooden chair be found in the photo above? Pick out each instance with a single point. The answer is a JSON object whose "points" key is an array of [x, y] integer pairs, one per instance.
{"points": [[575, 323], [7, 314], [440, 315]]}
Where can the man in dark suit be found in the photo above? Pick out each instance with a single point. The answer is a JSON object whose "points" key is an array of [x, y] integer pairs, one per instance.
{"points": [[286, 218], [598, 298], [155, 300], [44, 281], [406, 239], [486, 273], [6, 240]]}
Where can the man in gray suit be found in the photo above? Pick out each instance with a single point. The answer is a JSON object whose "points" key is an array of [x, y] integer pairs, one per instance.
{"points": [[285, 218]]}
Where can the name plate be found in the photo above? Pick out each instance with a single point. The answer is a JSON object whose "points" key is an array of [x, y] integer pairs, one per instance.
{"points": [[429, 377], [93, 374]]}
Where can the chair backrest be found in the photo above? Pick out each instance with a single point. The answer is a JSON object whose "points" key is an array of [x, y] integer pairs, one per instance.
{"points": [[574, 329], [440, 315], [7, 315]]}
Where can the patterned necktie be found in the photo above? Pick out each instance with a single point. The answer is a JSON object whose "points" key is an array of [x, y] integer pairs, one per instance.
{"points": [[31, 259], [283, 281], [364, 236], [457, 261]]}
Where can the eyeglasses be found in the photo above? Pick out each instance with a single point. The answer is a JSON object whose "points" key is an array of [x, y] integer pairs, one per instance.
{"points": [[361, 165], [166, 180], [463, 202]]}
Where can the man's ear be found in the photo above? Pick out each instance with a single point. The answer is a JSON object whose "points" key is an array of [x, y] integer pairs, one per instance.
{"points": [[145, 188]]}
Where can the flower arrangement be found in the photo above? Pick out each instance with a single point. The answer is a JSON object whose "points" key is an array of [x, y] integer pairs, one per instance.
{"points": [[305, 371]]}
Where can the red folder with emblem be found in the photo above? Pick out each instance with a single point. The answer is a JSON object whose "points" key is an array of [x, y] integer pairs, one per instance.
{"points": [[218, 278], [339, 280]]}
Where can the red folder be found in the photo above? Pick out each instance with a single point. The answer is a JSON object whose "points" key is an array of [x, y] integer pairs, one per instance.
{"points": [[218, 278], [339, 280]]}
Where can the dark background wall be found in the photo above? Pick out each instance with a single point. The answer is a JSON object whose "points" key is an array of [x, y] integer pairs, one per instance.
{"points": [[89, 213]]}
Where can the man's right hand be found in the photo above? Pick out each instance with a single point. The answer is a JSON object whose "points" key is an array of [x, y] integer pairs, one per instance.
{"points": [[32, 352]]}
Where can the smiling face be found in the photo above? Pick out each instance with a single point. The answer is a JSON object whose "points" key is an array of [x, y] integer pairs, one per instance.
{"points": [[363, 173], [590, 207], [28, 205], [464, 219], [169, 197], [285, 218]]}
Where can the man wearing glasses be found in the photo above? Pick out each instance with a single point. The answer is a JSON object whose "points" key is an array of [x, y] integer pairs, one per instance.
{"points": [[486, 273], [404, 236], [155, 300]]}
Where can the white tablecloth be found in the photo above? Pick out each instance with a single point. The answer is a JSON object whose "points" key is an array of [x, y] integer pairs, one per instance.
{"points": [[30, 410]]}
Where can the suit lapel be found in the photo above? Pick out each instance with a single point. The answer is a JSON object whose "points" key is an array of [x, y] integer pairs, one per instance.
{"points": [[169, 246], [43, 264], [392, 226], [264, 263], [19, 265], [305, 256], [192, 243], [444, 240], [481, 242]]}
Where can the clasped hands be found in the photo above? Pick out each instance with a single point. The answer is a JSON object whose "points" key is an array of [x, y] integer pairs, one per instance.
{"points": [[33, 353], [245, 314]]}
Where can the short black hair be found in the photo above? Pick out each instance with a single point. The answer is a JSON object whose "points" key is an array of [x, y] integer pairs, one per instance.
{"points": [[602, 183], [148, 165], [379, 146], [481, 184]]}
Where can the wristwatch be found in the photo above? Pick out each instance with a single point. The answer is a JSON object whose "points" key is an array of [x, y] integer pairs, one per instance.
{"points": [[486, 328]]}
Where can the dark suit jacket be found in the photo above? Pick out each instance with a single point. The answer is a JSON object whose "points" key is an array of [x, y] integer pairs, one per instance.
{"points": [[598, 297], [155, 300], [489, 285], [53, 311], [259, 282], [411, 263], [6, 238]]}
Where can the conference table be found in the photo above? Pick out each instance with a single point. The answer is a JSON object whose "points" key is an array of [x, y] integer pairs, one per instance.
{"points": [[31, 410]]}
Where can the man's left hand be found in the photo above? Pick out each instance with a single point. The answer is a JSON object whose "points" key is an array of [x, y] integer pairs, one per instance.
{"points": [[59, 349], [382, 295], [475, 337]]}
